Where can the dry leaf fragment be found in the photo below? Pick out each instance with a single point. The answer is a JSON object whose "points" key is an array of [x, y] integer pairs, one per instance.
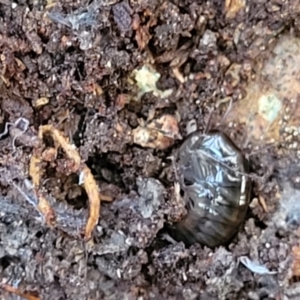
{"points": [[151, 138], [159, 134], [296, 261], [40, 102], [178, 75], [263, 203], [167, 125], [232, 7]]}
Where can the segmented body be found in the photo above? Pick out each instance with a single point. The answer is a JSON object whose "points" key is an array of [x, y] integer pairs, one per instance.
{"points": [[213, 176]]}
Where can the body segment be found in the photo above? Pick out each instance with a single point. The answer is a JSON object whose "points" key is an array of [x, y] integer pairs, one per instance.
{"points": [[213, 177]]}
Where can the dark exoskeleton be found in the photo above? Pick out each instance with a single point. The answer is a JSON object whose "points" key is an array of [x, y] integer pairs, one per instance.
{"points": [[213, 176]]}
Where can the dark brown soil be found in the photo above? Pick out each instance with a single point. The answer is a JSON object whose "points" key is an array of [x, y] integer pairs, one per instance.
{"points": [[80, 58]]}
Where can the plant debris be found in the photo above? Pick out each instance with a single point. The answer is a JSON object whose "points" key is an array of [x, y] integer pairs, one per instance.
{"points": [[254, 267], [146, 78], [97, 96], [76, 165], [24, 295], [159, 134]]}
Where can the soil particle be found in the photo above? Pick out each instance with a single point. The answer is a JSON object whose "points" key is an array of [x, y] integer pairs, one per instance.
{"points": [[79, 58]]}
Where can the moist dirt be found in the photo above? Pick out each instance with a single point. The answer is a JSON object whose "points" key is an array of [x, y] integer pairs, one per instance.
{"points": [[78, 66]]}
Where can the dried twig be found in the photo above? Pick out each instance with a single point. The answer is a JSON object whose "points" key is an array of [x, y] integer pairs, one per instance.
{"points": [[25, 295], [94, 199], [85, 176], [263, 203]]}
